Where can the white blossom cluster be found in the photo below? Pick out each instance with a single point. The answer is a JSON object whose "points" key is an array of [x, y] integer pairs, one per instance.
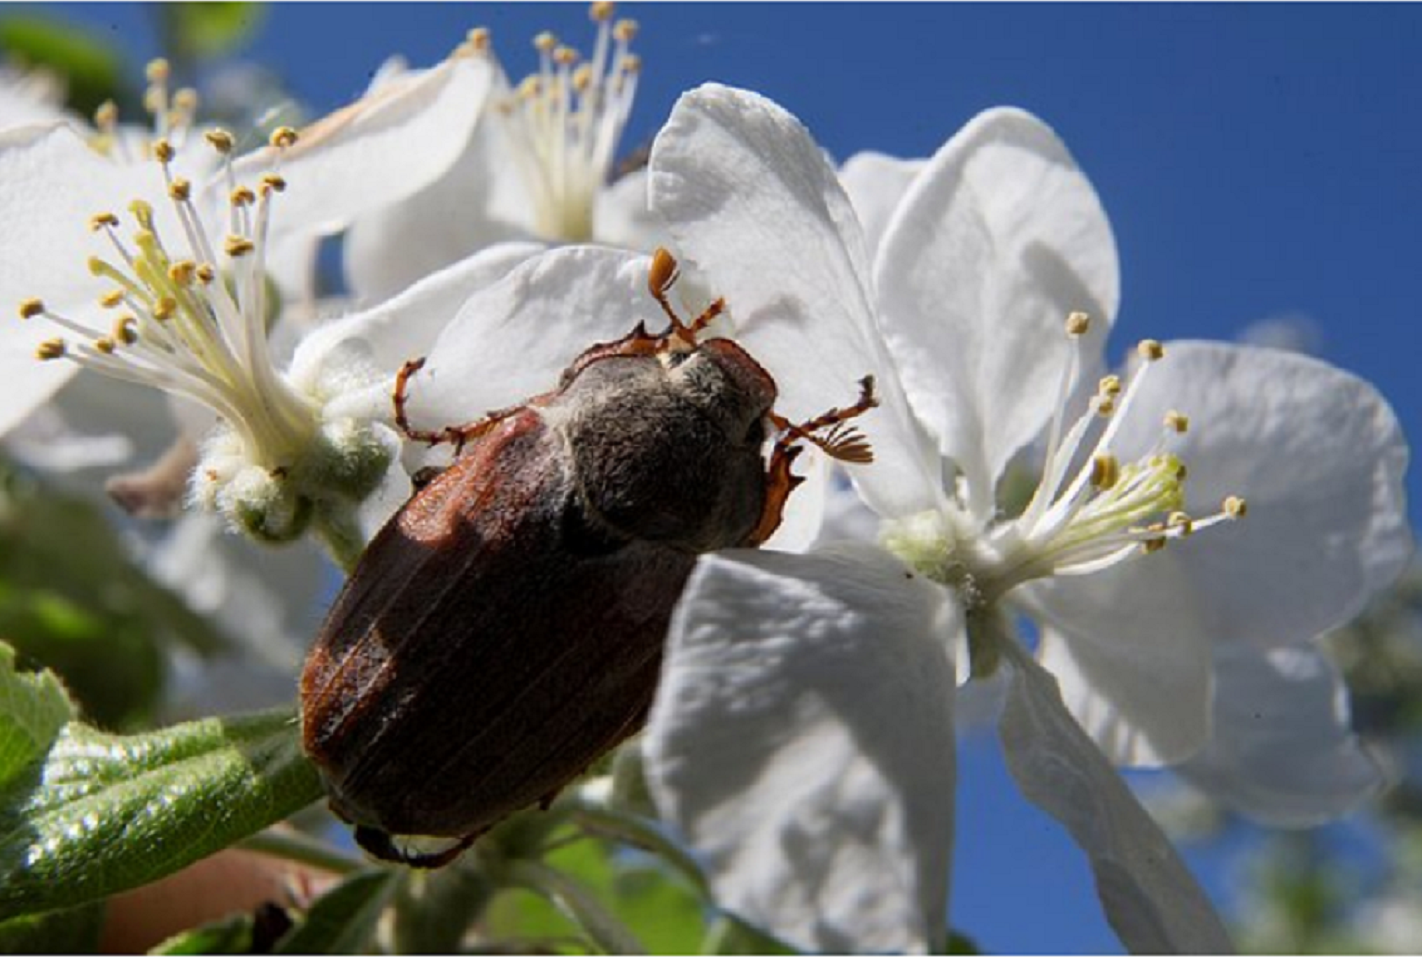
{"points": [[1129, 611]]}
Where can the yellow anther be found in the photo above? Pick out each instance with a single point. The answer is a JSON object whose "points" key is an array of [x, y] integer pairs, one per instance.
{"points": [[624, 30], [631, 63], [51, 349], [601, 10], [1105, 471], [273, 182], [242, 196], [582, 77], [103, 220], [32, 307], [186, 100], [283, 137], [1077, 323], [165, 308], [157, 71], [182, 271], [180, 189], [97, 267], [478, 38], [104, 344], [1234, 507], [236, 246], [111, 299], [544, 42], [1109, 385], [106, 116], [1150, 350], [1105, 405], [205, 273], [1177, 421], [125, 330], [1181, 473], [565, 56], [220, 140], [1179, 520], [1152, 545], [143, 213], [163, 151]]}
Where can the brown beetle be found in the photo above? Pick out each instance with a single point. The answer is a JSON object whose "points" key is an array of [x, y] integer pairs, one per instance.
{"points": [[505, 628]]}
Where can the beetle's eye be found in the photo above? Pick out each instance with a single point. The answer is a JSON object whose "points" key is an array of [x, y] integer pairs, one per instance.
{"points": [[675, 358]]}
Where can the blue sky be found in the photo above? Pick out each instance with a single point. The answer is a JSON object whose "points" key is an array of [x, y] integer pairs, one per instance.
{"points": [[1255, 161]]}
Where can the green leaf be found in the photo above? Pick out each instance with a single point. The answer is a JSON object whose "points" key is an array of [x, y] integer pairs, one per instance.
{"points": [[231, 935], [200, 30], [91, 69], [731, 935], [72, 600], [634, 888], [343, 920], [74, 930], [33, 710], [103, 813]]}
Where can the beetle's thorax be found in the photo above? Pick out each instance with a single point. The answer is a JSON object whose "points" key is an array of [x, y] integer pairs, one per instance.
{"points": [[667, 447]]}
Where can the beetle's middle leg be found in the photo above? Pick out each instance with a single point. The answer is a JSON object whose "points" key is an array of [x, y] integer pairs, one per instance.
{"points": [[458, 435]]}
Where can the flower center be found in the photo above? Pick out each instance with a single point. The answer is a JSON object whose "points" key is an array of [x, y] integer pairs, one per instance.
{"points": [[568, 117], [1088, 512], [191, 317]]}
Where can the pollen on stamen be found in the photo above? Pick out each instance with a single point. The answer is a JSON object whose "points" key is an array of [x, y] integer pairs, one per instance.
{"points": [[1110, 385], [1150, 350], [180, 190], [106, 116], [157, 70], [565, 56], [103, 221], [1180, 522], [283, 137], [205, 273], [125, 330], [112, 299], [236, 246], [51, 349], [600, 11], [29, 308], [1234, 507], [182, 272], [163, 151], [220, 140], [478, 39], [164, 308], [1177, 422], [624, 30], [271, 182], [545, 42], [242, 196], [105, 345], [1077, 323], [1105, 471]]}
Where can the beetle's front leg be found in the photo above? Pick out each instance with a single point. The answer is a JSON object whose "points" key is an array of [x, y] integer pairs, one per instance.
{"points": [[846, 444]]}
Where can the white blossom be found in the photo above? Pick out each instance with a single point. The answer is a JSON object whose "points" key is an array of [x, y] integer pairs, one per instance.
{"points": [[997, 244]]}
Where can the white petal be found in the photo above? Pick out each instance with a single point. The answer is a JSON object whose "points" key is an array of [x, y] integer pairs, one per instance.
{"points": [[378, 150], [622, 216], [1150, 899], [53, 184], [1283, 751], [1320, 458], [480, 200], [512, 340], [407, 326], [802, 742], [754, 205], [875, 184], [994, 244], [1132, 657]]}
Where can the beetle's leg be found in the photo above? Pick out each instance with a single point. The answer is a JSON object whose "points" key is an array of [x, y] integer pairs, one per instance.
{"points": [[844, 443], [459, 435], [662, 275]]}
